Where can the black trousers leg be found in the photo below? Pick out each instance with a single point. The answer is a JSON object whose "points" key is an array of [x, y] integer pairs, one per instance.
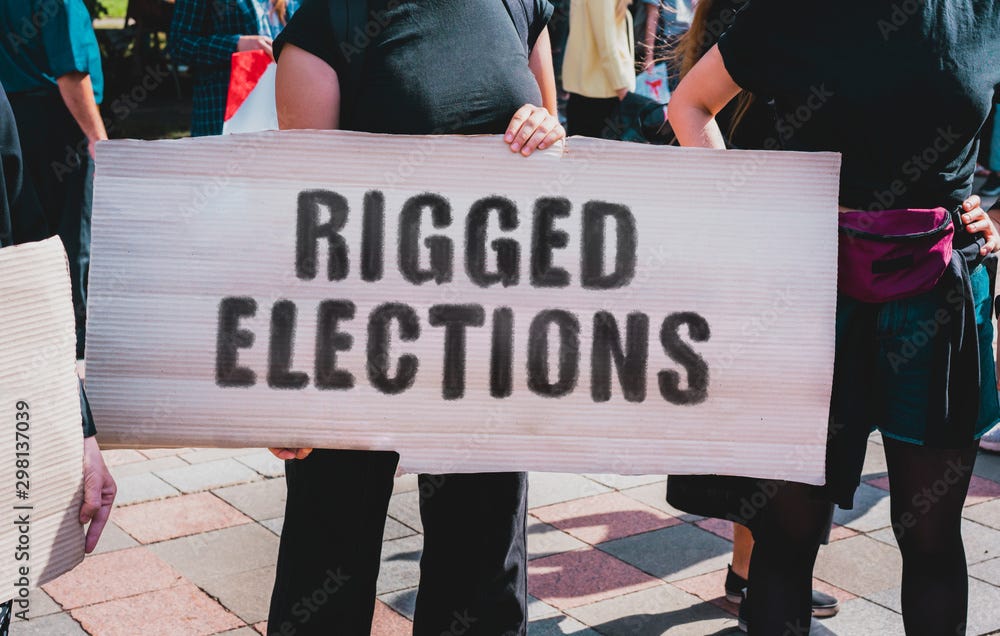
{"points": [[590, 117], [61, 172], [473, 572], [331, 543]]}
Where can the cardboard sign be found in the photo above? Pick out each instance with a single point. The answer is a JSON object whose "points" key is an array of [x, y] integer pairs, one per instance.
{"points": [[41, 449], [615, 308]]}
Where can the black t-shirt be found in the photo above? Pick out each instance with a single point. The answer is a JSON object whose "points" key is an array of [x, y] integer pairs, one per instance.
{"points": [[433, 66], [900, 89]]}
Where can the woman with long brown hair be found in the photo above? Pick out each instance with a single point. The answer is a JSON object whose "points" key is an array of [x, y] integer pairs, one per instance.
{"points": [[206, 33], [748, 123]]}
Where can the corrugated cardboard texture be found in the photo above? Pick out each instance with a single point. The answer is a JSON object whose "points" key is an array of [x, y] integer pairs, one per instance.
{"points": [[38, 385], [746, 240]]}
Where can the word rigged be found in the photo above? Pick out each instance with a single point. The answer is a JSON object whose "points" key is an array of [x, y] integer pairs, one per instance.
{"points": [[552, 332]]}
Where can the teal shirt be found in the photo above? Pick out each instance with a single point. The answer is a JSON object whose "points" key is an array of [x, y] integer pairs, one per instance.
{"points": [[42, 40]]}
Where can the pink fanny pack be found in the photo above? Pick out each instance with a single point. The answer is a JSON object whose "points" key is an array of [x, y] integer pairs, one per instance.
{"points": [[893, 254]]}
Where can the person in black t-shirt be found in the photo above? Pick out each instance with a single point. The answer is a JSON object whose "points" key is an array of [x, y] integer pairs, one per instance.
{"points": [[903, 100], [431, 67]]}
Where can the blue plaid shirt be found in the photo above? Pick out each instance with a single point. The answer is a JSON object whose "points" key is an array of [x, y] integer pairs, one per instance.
{"points": [[204, 35]]}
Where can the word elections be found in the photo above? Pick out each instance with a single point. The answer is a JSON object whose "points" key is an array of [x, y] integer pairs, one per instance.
{"points": [[394, 373]]}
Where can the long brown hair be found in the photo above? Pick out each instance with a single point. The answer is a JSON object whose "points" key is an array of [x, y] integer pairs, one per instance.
{"points": [[280, 9], [696, 42]]}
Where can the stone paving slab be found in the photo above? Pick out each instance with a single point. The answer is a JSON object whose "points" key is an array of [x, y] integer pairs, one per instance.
{"points": [[870, 512], [988, 571], [221, 552], [862, 617], [182, 609], [147, 466], [604, 517], [405, 508], [984, 605], [114, 538], [258, 500], [39, 604], [560, 626], [122, 574], [274, 525], [987, 513], [673, 553], [982, 543], [396, 530], [208, 475], [61, 624], [142, 487], [549, 488], [156, 521], [545, 540], [401, 601], [655, 495], [400, 564], [653, 570], [388, 622], [581, 577], [660, 610], [622, 482], [246, 594], [201, 455], [987, 466], [861, 565], [264, 463]]}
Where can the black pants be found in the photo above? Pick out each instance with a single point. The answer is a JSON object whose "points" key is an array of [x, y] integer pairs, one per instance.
{"points": [[473, 570], [60, 172], [591, 117]]}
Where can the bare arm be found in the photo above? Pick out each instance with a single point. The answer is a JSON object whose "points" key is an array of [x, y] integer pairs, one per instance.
{"points": [[703, 92], [307, 91], [307, 95], [540, 63], [78, 94], [649, 35]]}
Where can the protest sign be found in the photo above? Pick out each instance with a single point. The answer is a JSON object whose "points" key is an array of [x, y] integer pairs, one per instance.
{"points": [[41, 454], [615, 308]]}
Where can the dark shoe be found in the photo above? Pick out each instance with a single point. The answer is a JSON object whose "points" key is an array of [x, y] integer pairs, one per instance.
{"points": [[734, 586], [991, 187], [824, 605]]}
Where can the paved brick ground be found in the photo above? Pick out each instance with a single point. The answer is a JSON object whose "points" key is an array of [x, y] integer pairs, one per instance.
{"points": [[194, 539]]}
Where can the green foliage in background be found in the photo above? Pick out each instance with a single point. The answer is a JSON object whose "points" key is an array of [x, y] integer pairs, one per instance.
{"points": [[107, 8]]}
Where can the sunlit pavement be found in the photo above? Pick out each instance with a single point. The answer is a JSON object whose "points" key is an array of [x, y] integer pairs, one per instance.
{"points": [[194, 538]]}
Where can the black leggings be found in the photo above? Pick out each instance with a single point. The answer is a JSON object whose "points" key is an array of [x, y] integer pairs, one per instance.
{"points": [[927, 491]]}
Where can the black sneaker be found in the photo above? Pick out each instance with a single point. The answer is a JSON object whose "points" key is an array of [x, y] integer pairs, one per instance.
{"points": [[734, 586], [991, 187]]}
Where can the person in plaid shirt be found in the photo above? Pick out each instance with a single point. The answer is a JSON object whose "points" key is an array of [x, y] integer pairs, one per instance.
{"points": [[205, 34]]}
